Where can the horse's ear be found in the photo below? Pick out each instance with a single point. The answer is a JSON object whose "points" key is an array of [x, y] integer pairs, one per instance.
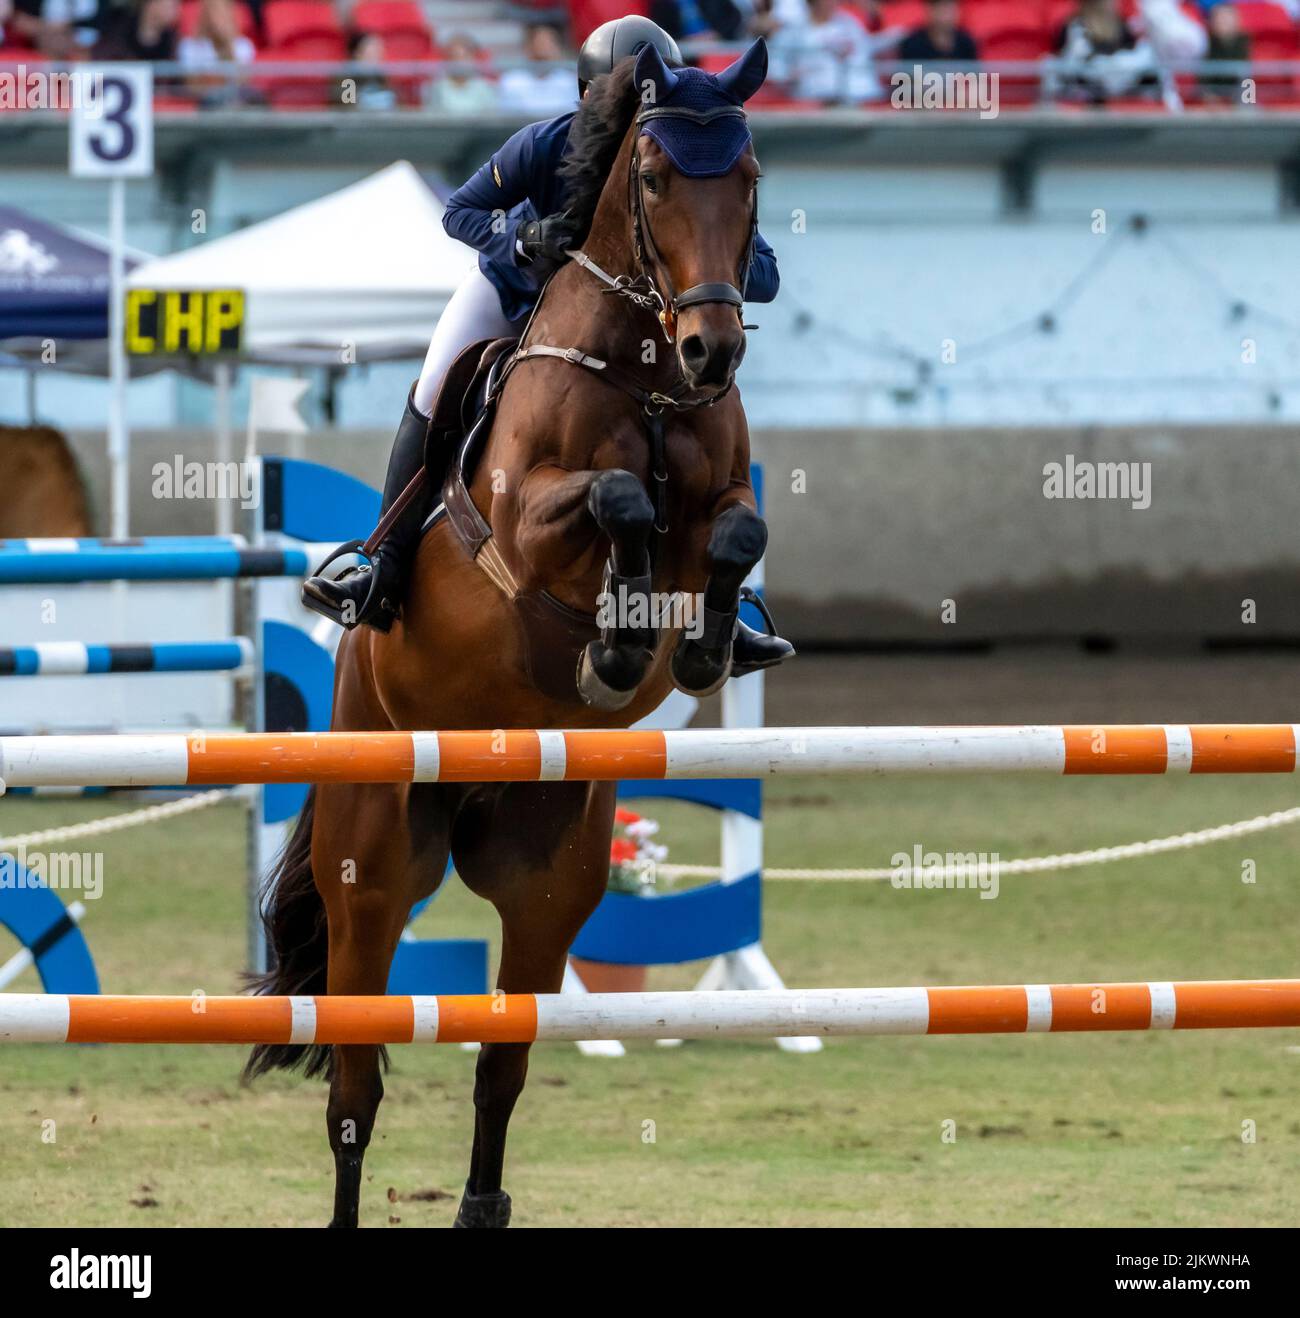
{"points": [[654, 79], [743, 78]]}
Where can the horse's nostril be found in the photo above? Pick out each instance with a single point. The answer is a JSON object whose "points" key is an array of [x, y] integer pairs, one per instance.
{"points": [[695, 352]]}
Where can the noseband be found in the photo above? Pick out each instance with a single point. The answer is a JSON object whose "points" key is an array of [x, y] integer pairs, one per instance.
{"points": [[670, 303]]}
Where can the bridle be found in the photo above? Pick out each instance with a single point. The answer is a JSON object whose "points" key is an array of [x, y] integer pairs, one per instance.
{"points": [[652, 286], [650, 263]]}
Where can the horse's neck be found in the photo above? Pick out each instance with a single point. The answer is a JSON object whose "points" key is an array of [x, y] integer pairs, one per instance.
{"points": [[576, 312]]}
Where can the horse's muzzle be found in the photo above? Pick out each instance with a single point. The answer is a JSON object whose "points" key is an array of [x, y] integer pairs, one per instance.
{"points": [[709, 356]]}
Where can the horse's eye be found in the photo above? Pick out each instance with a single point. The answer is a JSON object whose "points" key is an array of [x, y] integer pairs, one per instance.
{"points": [[651, 184]]}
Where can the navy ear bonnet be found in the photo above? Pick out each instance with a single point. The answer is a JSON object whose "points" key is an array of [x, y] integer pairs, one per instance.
{"points": [[696, 117]]}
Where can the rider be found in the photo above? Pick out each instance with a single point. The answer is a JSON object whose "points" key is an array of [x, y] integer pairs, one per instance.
{"points": [[522, 182]]}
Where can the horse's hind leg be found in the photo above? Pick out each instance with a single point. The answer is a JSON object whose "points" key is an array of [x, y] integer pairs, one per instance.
{"points": [[541, 856], [737, 539], [376, 850]]}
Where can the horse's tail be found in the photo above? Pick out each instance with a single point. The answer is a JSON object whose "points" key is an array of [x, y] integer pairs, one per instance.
{"points": [[297, 939]]}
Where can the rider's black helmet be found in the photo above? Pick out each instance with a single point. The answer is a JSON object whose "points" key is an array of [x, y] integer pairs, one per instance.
{"points": [[618, 39]]}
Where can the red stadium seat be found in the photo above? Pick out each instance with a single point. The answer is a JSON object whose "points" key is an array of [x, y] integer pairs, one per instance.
{"points": [[1055, 16], [587, 15], [307, 29], [1013, 32], [405, 37], [909, 14], [1006, 31], [296, 92], [400, 23], [243, 16], [1266, 20], [1274, 45]]}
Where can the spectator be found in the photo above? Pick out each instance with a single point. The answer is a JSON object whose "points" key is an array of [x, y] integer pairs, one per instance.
{"points": [[1105, 56], [1227, 43], [826, 57], [701, 19], [547, 90], [145, 30], [940, 39], [770, 16], [1173, 34], [216, 38], [372, 90], [463, 89], [59, 29], [867, 12]]}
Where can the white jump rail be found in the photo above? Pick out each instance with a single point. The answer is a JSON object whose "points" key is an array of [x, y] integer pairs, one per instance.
{"points": [[134, 760]]}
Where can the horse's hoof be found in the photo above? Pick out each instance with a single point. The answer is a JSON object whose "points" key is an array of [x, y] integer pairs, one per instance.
{"points": [[483, 1210], [698, 672], [596, 693]]}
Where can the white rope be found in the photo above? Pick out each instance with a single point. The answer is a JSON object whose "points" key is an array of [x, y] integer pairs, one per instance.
{"points": [[115, 823], [1033, 865]]}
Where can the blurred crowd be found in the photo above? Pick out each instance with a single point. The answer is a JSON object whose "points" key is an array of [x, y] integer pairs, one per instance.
{"points": [[824, 52]]}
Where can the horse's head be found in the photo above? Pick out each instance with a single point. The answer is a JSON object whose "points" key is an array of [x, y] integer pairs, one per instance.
{"points": [[693, 198]]}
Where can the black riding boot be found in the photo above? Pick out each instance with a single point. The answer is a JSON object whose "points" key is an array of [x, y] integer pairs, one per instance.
{"points": [[751, 650], [373, 593]]}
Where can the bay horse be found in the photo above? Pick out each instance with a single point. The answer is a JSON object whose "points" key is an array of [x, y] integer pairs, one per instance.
{"points": [[618, 386]]}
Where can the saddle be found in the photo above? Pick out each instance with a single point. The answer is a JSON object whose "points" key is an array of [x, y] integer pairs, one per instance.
{"points": [[463, 413], [461, 403]]}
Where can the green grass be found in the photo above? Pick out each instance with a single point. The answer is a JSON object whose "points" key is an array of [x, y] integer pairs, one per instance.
{"points": [[1090, 1130]]}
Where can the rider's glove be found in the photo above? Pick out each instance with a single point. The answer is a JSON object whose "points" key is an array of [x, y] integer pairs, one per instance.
{"points": [[548, 239]]}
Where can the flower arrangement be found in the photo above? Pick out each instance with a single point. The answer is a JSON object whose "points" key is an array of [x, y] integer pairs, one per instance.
{"points": [[633, 854], [633, 857]]}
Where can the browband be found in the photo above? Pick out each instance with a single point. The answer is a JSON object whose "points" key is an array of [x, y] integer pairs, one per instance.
{"points": [[696, 116]]}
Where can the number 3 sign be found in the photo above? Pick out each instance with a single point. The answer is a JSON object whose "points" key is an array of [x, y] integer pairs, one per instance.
{"points": [[112, 122]]}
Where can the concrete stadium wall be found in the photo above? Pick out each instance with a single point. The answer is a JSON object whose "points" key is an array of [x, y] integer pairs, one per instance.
{"points": [[892, 523], [871, 531]]}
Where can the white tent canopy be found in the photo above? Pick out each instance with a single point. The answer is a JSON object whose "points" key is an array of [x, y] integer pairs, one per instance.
{"points": [[369, 266]]}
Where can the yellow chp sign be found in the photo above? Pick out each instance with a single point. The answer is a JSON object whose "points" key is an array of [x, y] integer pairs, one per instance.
{"points": [[198, 323]]}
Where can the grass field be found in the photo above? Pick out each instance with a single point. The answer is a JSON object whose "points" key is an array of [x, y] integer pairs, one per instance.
{"points": [[1082, 1130]]}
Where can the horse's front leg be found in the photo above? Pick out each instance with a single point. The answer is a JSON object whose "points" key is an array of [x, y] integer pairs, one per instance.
{"points": [[612, 667], [737, 538]]}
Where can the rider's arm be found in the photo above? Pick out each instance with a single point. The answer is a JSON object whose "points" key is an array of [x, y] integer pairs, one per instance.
{"points": [[764, 279], [477, 212]]}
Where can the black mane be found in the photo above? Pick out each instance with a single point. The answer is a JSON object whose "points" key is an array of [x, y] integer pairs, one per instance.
{"points": [[595, 137]]}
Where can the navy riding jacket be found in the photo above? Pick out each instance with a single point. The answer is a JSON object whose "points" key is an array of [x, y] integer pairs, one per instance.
{"points": [[520, 183]]}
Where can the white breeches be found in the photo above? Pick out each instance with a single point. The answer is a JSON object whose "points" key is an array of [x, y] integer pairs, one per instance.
{"points": [[473, 313]]}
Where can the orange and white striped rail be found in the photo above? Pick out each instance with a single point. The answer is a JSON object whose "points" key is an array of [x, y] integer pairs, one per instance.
{"points": [[133, 760], [526, 1017]]}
